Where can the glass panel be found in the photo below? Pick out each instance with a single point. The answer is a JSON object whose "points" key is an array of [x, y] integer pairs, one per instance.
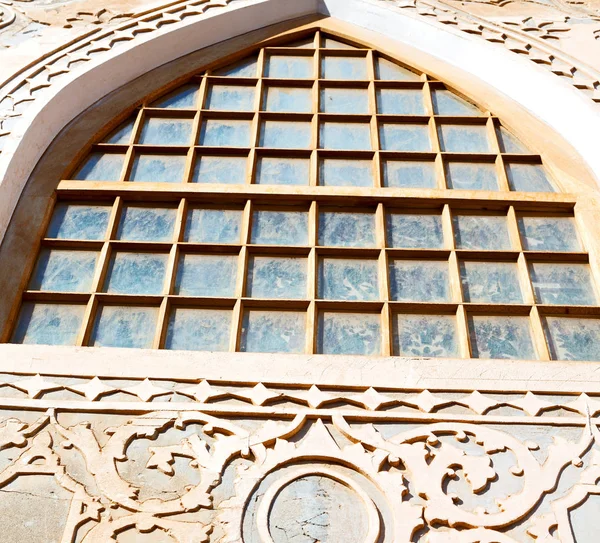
{"points": [[147, 223], [101, 167], [165, 131], [273, 332], [490, 282], [117, 326], [305, 43], [277, 277], [409, 174], [419, 281], [340, 100], [335, 172], [481, 232], [136, 273], [285, 134], [225, 170], [573, 339], [286, 66], [414, 231], [225, 133], [349, 68], [467, 176], [349, 333], [388, 71], [447, 103], [199, 329], [243, 68], [400, 101], [280, 228], [183, 97], [351, 136], [158, 168], [230, 97], [528, 178], [335, 44], [73, 221], [64, 271], [282, 171], [404, 137], [425, 335], [501, 337], [348, 279], [48, 324], [508, 142], [288, 99], [213, 225], [341, 229], [549, 234], [206, 275], [562, 284], [122, 135], [460, 138]]}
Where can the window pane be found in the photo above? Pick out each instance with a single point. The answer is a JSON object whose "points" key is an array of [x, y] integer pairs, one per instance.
{"points": [[122, 135], [288, 99], [72, 221], [243, 68], [508, 142], [573, 339], [528, 178], [404, 137], [350, 136], [225, 133], [425, 335], [285, 134], [48, 324], [348, 279], [225, 170], [165, 131], [335, 172], [273, 332], [548, 234], [282, 171], [562, 284], [230, 97], [64, 271], [117, 326], [286, 66], [388, 71], [467, 176], [147, 223], [490, 282], [136, 273], [481, 232], [340, 100], [501, 337], [158, 168], [349, 68], [414, 231], [409, 174], [341, 229], [419, 281], [213, 225], [101, 167], [461, 138], [199, 329], [276, 277], [349, 333], [446, 102], [183, 97], [335, 44], [206, 275], [400, 101], [280, 228]]}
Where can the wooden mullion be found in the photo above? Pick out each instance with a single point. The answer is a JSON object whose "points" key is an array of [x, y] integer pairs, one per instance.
{"points": [[524, 280], [539, 337], [462, 327], [513, 229], [130, 154], [374, 123], [87, 324], [440, 170], [237, 316], [196, 127], [448, 227], [316, 97], [256, 120], [162, 323]]}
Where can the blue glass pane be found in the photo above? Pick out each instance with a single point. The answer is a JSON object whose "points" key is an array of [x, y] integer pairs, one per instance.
{"points": [[273, 332], [225, 133], [549, 234], [528, 178], [122, 135], [282, 171], [501, 337], [389, 71], [467, 176], [573, 339], [481, 232], [509, 143], [131, 327], [409, 174], [340, 100], [285, 134], [158, 168], [48, 324], [348, 279], [136, 273], [64, 271], [351, 136], [276, 277], [230, 97], [213, 225], [349, 333], [73, 221], [348, 68], [225, 170], [165, 131], [447, 103], [404, 137], [414, 231], [419, 281], [206, 275], [199, 329], [279, 228], [101, 167], [285, 66], [430, 336], [328, 43], [243, 68], [147, 223], [460, 138], [341, 229], [490, 282], [400, 102], [183, 97], [288, 99], [335, 172], [562, 284]]}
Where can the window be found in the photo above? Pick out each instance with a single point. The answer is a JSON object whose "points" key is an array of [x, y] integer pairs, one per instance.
{"points": [[314, 198]]}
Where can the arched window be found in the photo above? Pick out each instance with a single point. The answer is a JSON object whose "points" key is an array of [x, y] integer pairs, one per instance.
{"points": [[313, 197]]}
